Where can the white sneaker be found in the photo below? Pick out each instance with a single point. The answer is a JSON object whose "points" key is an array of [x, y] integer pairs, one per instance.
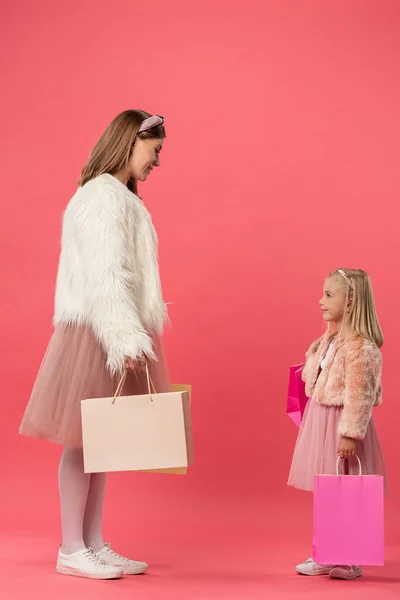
{"points": [[128, 566], [346, 572], [86, 563], [309, 567]]}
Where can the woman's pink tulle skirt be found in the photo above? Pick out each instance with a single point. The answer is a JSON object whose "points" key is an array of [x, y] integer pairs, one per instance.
{"points": [[317, 444], [74, 369]]}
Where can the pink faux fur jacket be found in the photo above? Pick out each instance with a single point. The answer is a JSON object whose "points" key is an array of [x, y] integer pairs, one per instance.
{"points": [[351, 378]]}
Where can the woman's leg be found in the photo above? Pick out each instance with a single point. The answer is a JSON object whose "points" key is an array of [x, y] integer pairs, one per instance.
{"points": [[93, 519], [73, 485], [93, 529]]}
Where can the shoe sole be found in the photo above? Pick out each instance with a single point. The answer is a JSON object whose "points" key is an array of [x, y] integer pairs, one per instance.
{"points": [[346, 578], [76, 573], [313, 574], [136, 571]]}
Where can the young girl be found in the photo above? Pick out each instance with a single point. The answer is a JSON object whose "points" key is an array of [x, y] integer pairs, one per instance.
{"points": [[109, 314], [343, 381]]}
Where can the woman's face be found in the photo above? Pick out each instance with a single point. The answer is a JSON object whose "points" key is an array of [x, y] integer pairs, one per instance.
{"points": [[145, 156]]}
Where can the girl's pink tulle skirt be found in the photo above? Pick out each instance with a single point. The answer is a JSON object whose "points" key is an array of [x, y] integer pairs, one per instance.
{"points": [[73, 369], [317, 444]]}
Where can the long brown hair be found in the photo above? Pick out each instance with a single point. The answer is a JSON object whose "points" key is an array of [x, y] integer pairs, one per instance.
{"points": [[112, 152], [362, 318]]}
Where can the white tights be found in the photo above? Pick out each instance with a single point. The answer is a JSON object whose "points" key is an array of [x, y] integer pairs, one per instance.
{"points": [[82, 501]]}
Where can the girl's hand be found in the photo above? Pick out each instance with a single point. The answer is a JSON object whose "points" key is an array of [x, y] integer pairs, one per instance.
{"points": [[133, 365], [347, 447]]}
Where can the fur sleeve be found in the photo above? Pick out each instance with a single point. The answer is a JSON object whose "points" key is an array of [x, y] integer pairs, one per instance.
{"points": [[103, 233], [362, 380], [310, 360]]}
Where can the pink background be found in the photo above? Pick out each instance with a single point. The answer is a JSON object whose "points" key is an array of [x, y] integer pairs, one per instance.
{"points": [[281, 164]]}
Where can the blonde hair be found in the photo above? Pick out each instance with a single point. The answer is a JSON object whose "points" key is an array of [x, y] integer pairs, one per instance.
{"points": [[112, 151], [362, 319]]}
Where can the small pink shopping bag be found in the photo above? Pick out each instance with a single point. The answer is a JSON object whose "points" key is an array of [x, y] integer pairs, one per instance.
{"points": [[348, 519], [297, 399]]}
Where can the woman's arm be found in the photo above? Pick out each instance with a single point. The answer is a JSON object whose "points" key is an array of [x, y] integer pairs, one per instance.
{"points": [[110, 285]]}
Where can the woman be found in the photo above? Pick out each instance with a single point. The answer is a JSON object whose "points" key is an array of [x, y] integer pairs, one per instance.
{"points": [[109, 315]]}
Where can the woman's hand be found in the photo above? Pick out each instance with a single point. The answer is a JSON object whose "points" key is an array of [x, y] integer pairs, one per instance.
{"points": [[134, 365], [347, 447]]}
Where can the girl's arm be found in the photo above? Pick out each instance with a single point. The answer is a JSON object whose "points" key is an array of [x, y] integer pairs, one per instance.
{"points": [[310, 362], [362, 380]]}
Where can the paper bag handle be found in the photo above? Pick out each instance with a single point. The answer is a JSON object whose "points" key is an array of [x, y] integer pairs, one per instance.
{"points": [[359, 466], [121, 384]]}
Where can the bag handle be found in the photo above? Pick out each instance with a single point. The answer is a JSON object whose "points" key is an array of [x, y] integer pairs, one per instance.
{"points": [[359, 466], [121, 384]]}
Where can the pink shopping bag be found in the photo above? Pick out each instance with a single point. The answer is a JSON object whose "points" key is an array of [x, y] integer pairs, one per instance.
{"points": [[348, 519], [297, 399]]}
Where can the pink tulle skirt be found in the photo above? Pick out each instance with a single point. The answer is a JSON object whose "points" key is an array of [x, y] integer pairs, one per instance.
{"points": [[74, 369], [317, 444]]}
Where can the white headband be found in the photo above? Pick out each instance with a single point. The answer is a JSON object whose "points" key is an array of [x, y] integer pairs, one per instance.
{"points": [[343, 274]]}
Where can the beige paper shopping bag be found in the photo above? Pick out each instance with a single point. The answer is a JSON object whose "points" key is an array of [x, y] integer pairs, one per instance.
{"points": [[175, 387], [136, 433]]}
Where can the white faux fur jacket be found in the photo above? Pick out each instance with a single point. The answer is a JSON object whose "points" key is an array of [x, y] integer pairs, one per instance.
{"points": [[351, 378], [108, 275]]}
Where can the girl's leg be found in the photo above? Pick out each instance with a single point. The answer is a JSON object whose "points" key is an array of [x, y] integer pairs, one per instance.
{"points": [[93, 519], [73, 486]]}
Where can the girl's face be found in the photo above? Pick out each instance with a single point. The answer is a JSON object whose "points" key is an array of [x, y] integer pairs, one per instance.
{"points": [[145, 156], [333, 301]]}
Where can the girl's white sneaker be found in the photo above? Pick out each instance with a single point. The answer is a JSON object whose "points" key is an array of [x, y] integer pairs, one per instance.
{"points": [[346, 572], [86, 563], [309, 567]]}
